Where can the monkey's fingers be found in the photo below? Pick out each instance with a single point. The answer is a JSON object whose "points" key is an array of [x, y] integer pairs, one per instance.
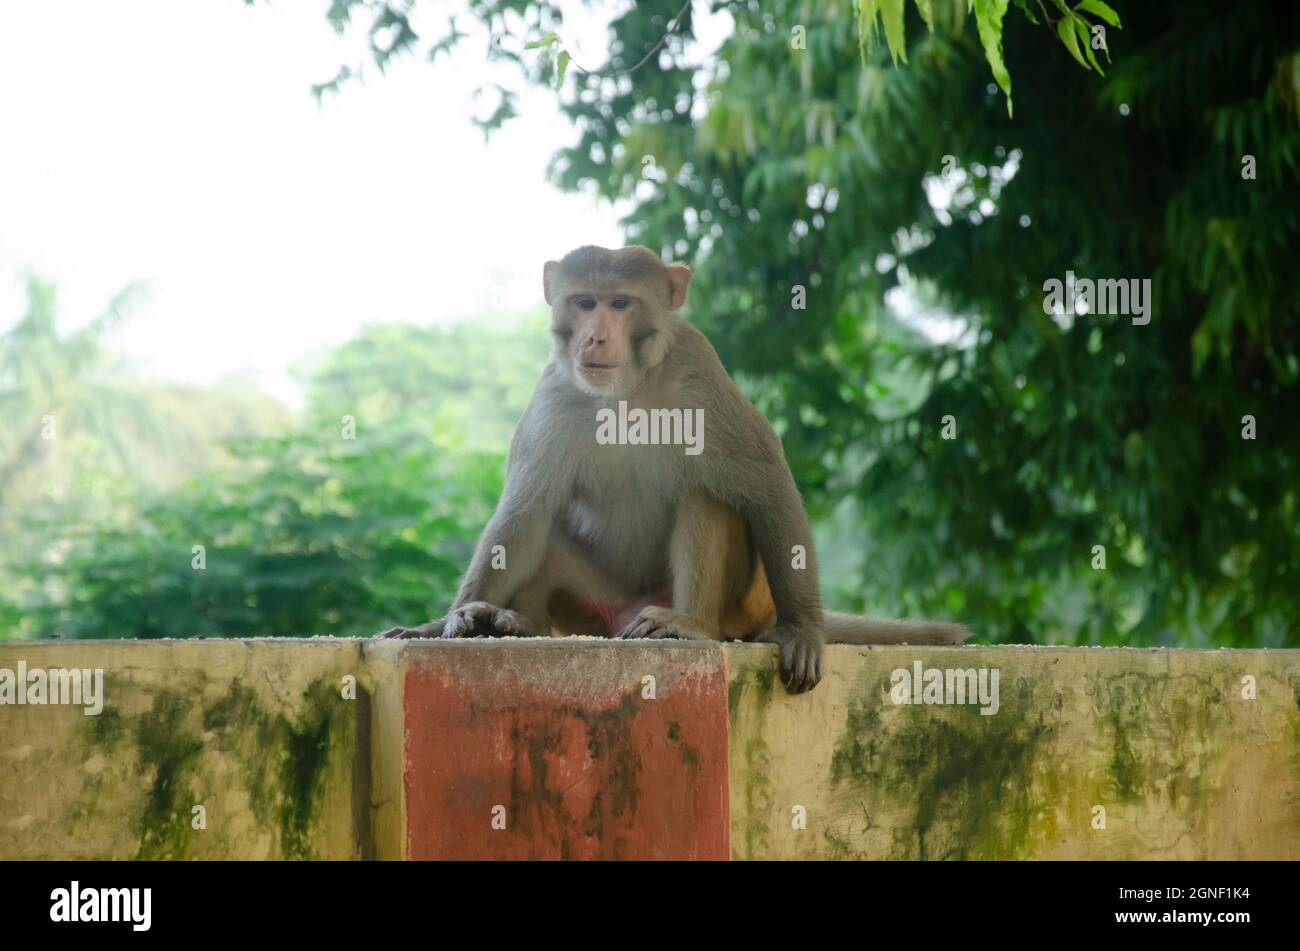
{"points": [[651, 623], [800, 664], [641, 627], [512, 624], [432, 629], [480, 619], [459, 624]]}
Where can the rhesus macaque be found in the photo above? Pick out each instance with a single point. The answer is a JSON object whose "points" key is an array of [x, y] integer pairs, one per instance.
{"points": [[644, 537]]}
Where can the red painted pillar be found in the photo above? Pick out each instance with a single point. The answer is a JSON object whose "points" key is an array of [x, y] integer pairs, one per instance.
{"points": [[563, 746]]}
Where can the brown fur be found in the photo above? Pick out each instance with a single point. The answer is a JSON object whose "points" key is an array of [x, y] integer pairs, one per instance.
{"points": [[594, 534]]}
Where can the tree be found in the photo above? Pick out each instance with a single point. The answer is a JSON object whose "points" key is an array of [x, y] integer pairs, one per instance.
{"points": [[51, 382], [877, 189], [361, 517], [82, 440]]}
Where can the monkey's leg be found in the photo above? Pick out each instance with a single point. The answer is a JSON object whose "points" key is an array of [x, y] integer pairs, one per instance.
{"points": [[714, 570], [555, 597]]}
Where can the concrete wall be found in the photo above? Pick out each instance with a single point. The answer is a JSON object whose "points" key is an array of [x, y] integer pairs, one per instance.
{"points": [[255, 732], [578, 748], [1092, 753]]}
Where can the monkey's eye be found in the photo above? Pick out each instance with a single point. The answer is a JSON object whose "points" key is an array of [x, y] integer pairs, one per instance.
{"points": [[621, 303], [586, 303]]}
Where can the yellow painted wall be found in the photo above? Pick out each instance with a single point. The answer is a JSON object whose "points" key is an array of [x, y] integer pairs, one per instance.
{"points": [[1184, 766], [259, 732], [256, 732]]}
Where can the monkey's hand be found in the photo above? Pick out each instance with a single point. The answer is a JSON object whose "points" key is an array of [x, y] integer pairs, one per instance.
{"points": [[800, 661], [480, 619], [655, 622]]}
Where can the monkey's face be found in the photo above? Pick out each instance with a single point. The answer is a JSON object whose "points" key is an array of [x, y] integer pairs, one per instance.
{"points": [[605, 338], [610, 315]]}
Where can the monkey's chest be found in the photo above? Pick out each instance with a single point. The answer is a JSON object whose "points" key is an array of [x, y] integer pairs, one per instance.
{"points": [[622, 515]]}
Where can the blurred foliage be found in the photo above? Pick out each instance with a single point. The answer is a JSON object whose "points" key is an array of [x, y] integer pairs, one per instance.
{"points": [[313, 534], [80, 439], [91, 393], [818, 164], [392, 31], [462, 387], [780, 168], [358, 518], [891, 182]]}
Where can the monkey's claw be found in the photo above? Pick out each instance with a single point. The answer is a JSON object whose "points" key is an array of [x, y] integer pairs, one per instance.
{"points": [[480, 619], [801, 665], [652, 623], [432, 629], [800, 657]]}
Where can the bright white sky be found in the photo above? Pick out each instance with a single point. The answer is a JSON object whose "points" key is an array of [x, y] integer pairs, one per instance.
{"points": [[178, 143]]}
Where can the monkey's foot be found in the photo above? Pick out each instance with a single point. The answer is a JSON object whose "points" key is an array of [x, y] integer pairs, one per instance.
{"points": [[655, 622], [480, 619]]}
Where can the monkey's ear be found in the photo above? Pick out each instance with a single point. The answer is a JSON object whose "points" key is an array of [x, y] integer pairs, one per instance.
{"points": [[679, 279], [550, 278]]}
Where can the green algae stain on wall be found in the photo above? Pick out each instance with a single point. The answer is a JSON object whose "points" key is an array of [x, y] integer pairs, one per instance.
{"points": [[170, 754], [1160, 732], [285, 766], [748, 697], [181, 756], [160, 750], [306, 743], [963, 784]]}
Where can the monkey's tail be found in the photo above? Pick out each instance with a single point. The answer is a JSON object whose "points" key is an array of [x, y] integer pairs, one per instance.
{"points": [[857, 629]]}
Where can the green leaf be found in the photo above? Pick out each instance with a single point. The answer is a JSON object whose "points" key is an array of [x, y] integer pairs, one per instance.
{"points": [[1097, 8], [1029, 14], [338, 14], [562, 67], [1065, 29], [546, 40], [891, 12], [927, 12], [866, 27], [1082, 27], [988, 18], [318, 90]]}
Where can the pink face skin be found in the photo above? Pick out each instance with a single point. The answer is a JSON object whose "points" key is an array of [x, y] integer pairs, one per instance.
{"points": [[601, 347], [612, 331], [601, 334]]}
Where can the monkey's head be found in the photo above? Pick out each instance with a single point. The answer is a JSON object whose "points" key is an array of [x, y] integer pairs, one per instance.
{"points": [[609, 314]]}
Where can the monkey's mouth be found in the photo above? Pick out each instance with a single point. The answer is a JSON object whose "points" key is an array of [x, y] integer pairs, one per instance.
{"points": [[598, 369]]}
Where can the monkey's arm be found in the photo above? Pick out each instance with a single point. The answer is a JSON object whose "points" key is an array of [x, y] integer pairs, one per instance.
{"points": [[753, 476], [513, 543], [512, 546], [510, 549]]}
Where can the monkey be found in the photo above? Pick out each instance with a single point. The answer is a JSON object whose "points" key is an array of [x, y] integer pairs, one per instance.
{"points": [[645, 538]]}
